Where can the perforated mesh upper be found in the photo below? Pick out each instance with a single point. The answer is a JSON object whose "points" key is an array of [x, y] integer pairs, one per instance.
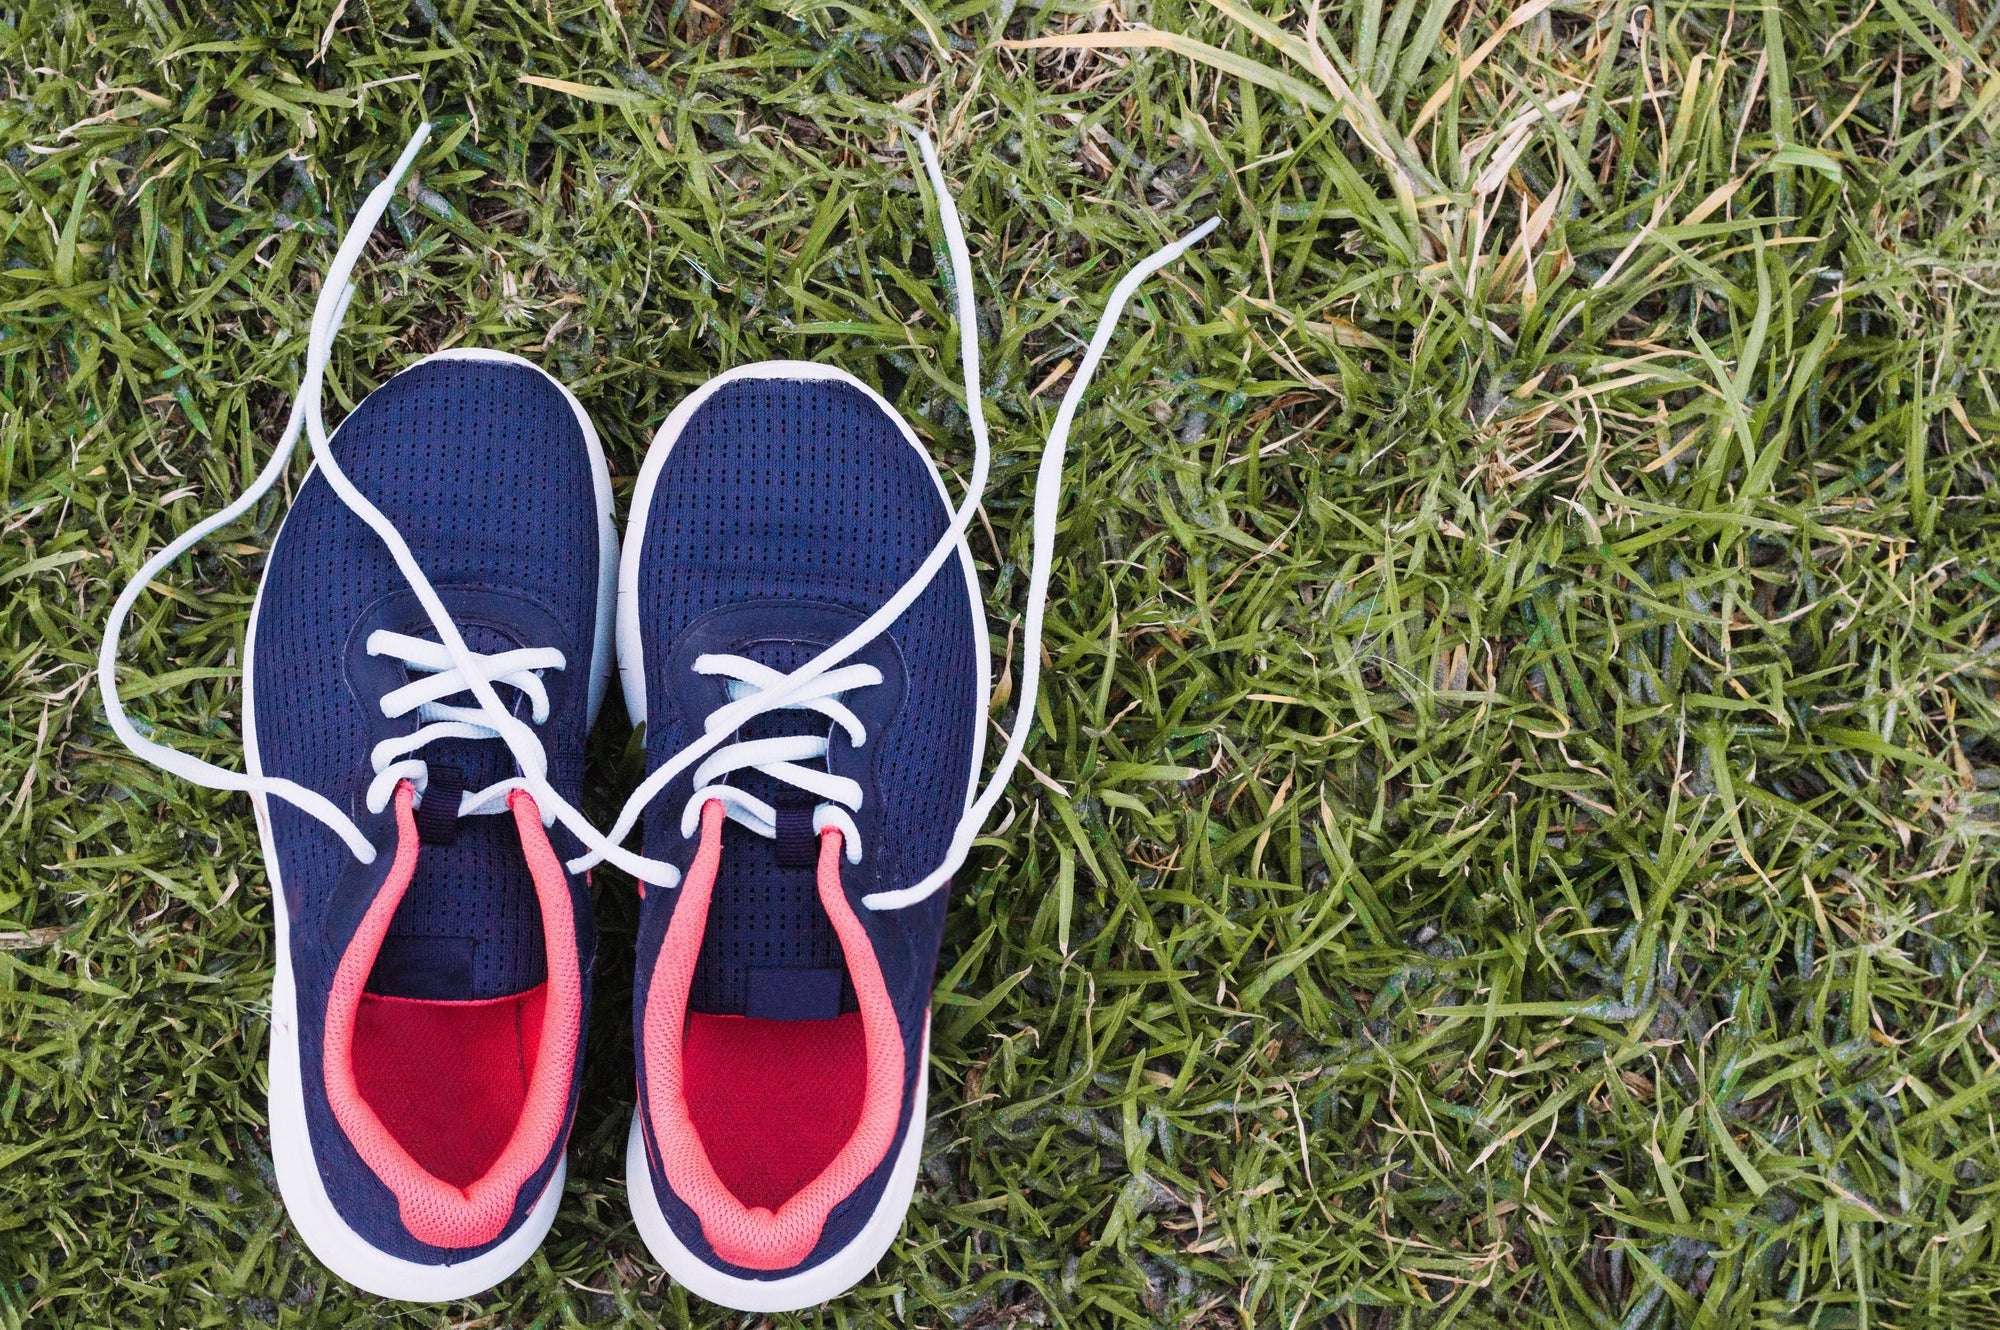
{"points": [[482, 468], [805, 491]]}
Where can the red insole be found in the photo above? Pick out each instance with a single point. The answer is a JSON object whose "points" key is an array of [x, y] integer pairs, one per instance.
{"points": [[448, 1078], [773, 1101]]}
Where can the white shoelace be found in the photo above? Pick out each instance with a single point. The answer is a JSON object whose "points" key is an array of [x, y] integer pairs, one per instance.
{"points": [[453, 664], [783, 692], [761, 690], [779, 757], [519, 669]]}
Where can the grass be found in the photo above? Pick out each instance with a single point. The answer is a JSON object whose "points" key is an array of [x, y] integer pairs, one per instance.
{"points": [[1513, 829]]}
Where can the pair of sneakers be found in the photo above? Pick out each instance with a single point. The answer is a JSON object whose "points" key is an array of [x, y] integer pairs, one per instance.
{"points": [[796, 619]]}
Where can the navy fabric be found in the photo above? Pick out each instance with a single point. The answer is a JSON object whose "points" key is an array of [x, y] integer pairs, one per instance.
{"points": [[786, 994], [484, 470], [786, 512]]}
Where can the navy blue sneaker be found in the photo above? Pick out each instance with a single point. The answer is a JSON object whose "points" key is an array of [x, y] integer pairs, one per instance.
{"points": [[801, 630], [781, 1023], [428, 649]]}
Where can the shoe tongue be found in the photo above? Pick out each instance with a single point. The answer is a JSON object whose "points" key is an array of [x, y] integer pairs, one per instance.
{"points": [[769, 951], [485, 640], [784, 657], [468, 928]]}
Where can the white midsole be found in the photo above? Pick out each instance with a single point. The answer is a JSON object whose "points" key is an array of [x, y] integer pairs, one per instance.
{"points": [[319, 1225], [809, 1288]]}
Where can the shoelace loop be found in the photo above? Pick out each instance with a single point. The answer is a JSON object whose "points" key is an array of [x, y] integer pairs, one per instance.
{"points": [[755, 684], [519, 669]]}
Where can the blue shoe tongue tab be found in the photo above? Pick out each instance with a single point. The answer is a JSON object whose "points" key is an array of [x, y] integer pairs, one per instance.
{"points": [[790, 994], [429, 969], [437, 815], [797, 846]]}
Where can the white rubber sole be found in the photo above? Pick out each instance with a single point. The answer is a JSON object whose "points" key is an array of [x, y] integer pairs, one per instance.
{"points": [[823, 1282], [319, 1225]]}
